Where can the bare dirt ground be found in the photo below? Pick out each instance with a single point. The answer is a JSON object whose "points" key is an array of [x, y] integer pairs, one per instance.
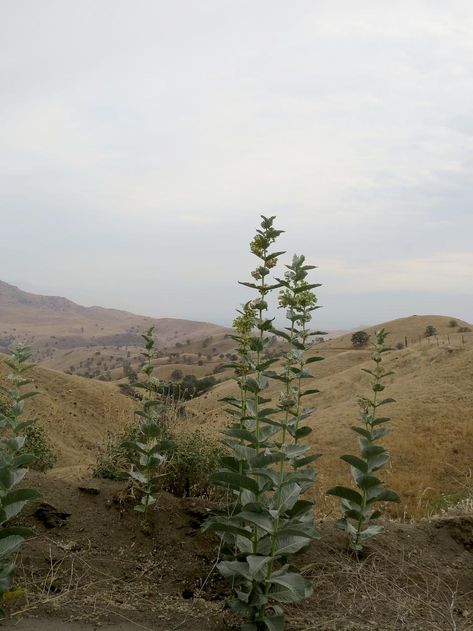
{"points": [[92, 566]]}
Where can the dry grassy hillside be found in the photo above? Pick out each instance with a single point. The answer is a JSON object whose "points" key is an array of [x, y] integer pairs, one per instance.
{"points": [[97, 342], [65, 325], [76, 414], [432, 438]]}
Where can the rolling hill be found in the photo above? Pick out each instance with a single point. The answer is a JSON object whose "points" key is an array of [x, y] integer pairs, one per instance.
{"points": [[432, 426], [432, 423], [92, 341]]}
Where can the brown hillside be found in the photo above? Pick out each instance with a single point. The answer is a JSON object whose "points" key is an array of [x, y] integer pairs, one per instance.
{"points": [[96, 342], [432, 438], [34, 316], [76, 414]]}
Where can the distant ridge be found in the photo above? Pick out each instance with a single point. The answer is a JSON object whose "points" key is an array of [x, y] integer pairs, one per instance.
{"points": [[36, 320]]}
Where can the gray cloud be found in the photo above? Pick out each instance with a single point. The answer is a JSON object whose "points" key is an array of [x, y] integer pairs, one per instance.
{"points": [[139, 142]]}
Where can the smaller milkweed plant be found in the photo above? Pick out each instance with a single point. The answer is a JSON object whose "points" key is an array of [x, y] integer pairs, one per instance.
{"points": [[358, 506], [269, 467], [13, 466], [147, 447]]}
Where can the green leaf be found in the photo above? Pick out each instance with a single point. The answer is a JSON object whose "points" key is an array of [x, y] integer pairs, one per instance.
{"points": [[366, 482], [290, 544], [261, 520], [356, 462], [388, 496], [274, 623], [295, 587], [263, 460], [257, 563], [385, 401], [311, 360], [346, 493], [289, 495], [311, 391], [303, 431], [300, 507], [371, 531], [14, 501], [234, 481], [216, 526], [9, 544], [231, 569], [301, 462]]}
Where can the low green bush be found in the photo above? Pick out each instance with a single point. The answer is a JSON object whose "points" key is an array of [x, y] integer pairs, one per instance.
{"points": [[38, 445], [113, 460], [195, 456]]}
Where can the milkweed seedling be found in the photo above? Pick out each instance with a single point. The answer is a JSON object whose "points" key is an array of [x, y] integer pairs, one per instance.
{"points": [[359, 515], [268, 469]]}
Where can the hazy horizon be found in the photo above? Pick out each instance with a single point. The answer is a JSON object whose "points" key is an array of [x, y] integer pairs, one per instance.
{"points": [[140, 142]]}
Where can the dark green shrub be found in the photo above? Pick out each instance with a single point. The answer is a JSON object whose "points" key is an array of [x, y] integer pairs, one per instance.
{"points": [[360, 339], [430, 331]]}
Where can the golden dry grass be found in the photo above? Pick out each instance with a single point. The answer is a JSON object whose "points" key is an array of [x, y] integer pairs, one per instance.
{"points": [[76, 414], [432, 422]]}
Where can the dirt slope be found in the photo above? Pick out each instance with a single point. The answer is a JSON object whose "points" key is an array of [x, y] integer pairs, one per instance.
{"points": [[91, 565]]}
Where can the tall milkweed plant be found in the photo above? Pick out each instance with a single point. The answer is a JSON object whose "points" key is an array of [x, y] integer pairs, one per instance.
{"points": [[269, 467]]}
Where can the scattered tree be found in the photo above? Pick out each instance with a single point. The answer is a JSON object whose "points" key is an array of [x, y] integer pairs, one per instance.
{"points": [[360, 339]]}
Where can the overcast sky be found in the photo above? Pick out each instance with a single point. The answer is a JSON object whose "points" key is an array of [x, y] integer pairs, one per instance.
{"points": [[140, 140]]}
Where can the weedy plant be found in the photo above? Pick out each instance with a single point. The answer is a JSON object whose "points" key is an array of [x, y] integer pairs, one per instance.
{"points": [[38, 445], [268, 468], [148, 449], [195, 456], [358, 506], [13, 467]]}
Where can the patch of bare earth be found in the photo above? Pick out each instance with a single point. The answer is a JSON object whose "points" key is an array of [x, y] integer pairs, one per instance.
{"points": [[91, 565]]}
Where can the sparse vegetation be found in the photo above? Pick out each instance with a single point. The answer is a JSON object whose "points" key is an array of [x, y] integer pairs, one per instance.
{"points": [[114, 457], [38, 445], [195, 455]]}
